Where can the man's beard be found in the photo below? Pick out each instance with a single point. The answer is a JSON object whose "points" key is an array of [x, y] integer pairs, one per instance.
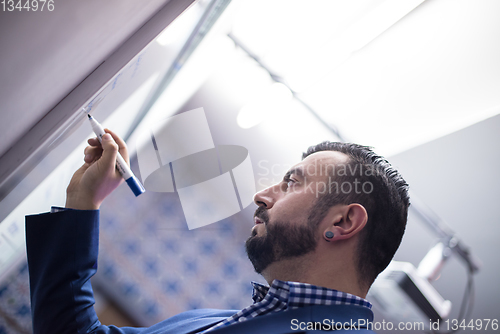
{"points": [[282, 241]]}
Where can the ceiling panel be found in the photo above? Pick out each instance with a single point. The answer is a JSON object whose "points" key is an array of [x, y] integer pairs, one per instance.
{"points": [[46, 54]]}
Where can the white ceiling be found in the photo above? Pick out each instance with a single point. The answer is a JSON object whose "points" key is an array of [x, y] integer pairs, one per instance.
{"points": [[434, 71]]}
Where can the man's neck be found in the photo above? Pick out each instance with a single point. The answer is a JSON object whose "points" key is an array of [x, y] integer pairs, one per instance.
{"points": [[340, 277]]}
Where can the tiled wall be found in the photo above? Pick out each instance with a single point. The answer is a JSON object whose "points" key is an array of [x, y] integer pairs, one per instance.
{"points": [[15, 314]]}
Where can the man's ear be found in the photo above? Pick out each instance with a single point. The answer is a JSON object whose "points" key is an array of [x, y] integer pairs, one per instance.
{"points": [[352, 220]]}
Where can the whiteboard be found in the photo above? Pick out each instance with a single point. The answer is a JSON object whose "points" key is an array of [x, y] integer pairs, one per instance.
{"points": [[35, 172]]}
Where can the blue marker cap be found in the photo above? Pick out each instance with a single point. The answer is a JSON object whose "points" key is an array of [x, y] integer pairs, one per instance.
{"points": [[135, 185]]}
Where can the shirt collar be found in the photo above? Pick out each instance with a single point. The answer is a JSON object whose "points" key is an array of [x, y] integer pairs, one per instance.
{"points": [[295, 294]]}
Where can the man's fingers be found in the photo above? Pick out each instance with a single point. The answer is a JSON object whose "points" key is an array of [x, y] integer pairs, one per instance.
{"points": [[94, 142], [96, 149], [92, 153], [122, 147], [110, 150]]}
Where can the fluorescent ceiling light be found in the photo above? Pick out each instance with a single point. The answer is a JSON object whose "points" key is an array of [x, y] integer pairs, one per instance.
{"points": [[316, 63], [272, 101], [182, 26]]}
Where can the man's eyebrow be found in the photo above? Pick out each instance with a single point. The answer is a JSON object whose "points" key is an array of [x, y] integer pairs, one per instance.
{"points": [[297, 171]]}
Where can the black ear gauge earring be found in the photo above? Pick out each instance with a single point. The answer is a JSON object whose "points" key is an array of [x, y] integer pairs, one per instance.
{"points": [[329, 235]]}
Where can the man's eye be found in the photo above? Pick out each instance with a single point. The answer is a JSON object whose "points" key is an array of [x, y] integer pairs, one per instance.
{"points": [[290, 183]]}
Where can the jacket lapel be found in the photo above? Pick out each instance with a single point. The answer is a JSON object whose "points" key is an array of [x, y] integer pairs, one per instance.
{"points": [[283, 322]]}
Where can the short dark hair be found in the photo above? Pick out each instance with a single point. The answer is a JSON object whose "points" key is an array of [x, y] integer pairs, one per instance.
{"points": [[386, 203]]}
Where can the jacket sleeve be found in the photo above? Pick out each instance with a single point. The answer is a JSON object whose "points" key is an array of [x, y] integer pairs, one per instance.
{"points": [[62, 252]]}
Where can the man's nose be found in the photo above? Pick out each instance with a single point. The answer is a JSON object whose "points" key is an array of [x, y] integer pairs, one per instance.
{"points": [[267, 197]]}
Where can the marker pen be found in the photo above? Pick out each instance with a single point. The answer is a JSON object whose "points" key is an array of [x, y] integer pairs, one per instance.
{"points": [[121, 165]]}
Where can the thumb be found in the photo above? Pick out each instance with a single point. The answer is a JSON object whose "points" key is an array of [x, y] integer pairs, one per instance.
{"points": [[110, 150]]}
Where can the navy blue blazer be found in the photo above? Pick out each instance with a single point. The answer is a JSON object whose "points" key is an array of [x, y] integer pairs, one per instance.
{"points": [[62, 257]]}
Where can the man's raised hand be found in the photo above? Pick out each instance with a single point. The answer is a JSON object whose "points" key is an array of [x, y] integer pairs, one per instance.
{"points": [[98, 176]]}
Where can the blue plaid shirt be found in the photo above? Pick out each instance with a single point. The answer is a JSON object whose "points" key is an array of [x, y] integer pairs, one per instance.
{"points": [[289, 295]]}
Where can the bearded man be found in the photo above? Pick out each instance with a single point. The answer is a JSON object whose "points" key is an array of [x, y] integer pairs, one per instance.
{"points": [[321, 237]]}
